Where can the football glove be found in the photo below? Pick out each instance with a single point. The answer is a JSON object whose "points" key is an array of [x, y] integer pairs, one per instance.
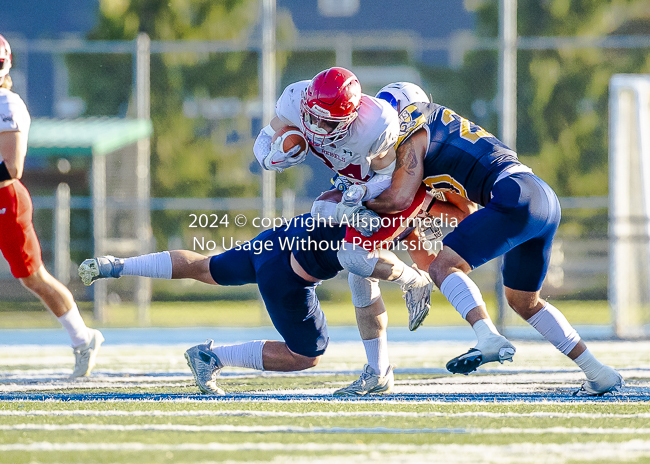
{"points": [[278, 160], [364, 220], [354, 195]]}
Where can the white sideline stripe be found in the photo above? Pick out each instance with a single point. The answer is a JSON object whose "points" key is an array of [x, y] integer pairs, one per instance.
{"points": [[82, 384], [295, 429], [604, 450], [113, 413]]}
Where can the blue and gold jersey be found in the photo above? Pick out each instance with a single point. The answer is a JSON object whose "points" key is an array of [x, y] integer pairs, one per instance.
{"points": [[461, 157]]}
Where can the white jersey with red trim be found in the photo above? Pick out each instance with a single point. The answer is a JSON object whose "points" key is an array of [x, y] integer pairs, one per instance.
{"points": [[373, 132], [14, 116]]}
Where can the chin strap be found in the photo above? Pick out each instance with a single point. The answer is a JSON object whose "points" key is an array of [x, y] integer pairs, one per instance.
{"points": [[4, 172]]}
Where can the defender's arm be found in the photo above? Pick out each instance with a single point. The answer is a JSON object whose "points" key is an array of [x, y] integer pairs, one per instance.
{"points": [[406, 178]]}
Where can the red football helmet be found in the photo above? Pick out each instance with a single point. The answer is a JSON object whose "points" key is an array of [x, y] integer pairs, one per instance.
{"points": [[5, 57], [329, 106]]}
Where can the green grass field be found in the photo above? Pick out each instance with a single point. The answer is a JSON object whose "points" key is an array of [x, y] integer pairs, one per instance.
{"points": [[249, 313], [141, 406]]}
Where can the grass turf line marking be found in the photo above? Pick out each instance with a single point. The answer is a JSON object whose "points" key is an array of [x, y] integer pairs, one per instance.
{"points": [[295, 429], [38, 388], [238, 413], [587, 449], [515, 453]]}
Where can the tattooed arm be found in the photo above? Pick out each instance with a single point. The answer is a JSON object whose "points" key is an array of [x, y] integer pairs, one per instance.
{"points": [[407, 177]]}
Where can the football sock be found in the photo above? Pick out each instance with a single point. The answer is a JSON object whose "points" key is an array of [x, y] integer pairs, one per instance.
{"points": [[555, 328], [377, 354], [589, 364], [154, 265], [247, 354], [75, 326], [462, 293], [484, 328], [408, 277]]}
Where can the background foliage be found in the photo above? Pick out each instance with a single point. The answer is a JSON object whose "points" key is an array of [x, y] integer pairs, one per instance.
{"points": [[562, 95], [189, 156]]}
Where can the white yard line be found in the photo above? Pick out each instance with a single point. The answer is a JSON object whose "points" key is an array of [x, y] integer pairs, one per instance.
{"points": [[362, 453], [72, 385], [243, 413], [295, 429]]}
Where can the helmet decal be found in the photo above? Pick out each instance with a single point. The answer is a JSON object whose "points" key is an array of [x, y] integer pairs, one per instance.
{"points": [[402, 94]]}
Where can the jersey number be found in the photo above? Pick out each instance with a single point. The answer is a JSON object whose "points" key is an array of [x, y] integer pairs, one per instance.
{"points": [[351, 170], [465, 126]]}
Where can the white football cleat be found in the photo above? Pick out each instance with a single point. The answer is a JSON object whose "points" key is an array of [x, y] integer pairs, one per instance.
{"points": [[101, 267], [418, 299], [490, 349], [84, 355], [608, 380], [369, 383], [205, 366]]}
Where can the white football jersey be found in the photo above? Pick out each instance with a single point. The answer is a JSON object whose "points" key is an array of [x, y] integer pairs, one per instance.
{"points": [[14, 116], [373, 132]]}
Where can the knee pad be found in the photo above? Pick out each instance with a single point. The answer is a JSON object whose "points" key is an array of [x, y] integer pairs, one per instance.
{"points": [[356, 260], [365, 290]]}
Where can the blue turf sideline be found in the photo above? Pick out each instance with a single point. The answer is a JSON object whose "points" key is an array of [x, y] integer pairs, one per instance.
{"points": [[340, 334], [560, 395]]}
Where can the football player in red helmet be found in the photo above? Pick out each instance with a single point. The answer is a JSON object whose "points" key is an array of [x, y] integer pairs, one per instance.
{"points": [[354, 135], [329, 106], [18, 241]]}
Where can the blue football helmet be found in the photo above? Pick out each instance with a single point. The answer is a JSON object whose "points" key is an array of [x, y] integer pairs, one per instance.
{"points": [[402, 94]]}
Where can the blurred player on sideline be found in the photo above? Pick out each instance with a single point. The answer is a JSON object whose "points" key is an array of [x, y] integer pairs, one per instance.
{"points": [[519, 218], [18, 241], [285, 269]]}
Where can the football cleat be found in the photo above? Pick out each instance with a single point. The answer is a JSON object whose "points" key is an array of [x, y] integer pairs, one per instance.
{"points": [[490, 349], [369, 383], [102, 267], [418, 299], [84, 355], [607, 380], [205, 366]]}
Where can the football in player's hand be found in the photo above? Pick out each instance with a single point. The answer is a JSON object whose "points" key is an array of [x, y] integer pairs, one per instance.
{"points": [[333, 195], [291, 136]]}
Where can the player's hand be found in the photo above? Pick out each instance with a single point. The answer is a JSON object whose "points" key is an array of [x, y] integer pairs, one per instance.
{"points": [[354, 195], [364, 220], [278, 160], [368, 222]]}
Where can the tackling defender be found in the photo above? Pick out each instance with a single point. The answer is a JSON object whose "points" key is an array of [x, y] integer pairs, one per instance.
{"points": [[287, 277], [18, 241], [520, 217]]}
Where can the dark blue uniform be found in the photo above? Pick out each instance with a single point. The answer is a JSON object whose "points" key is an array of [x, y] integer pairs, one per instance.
{"points": [[521, 213], [291, 301]]}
